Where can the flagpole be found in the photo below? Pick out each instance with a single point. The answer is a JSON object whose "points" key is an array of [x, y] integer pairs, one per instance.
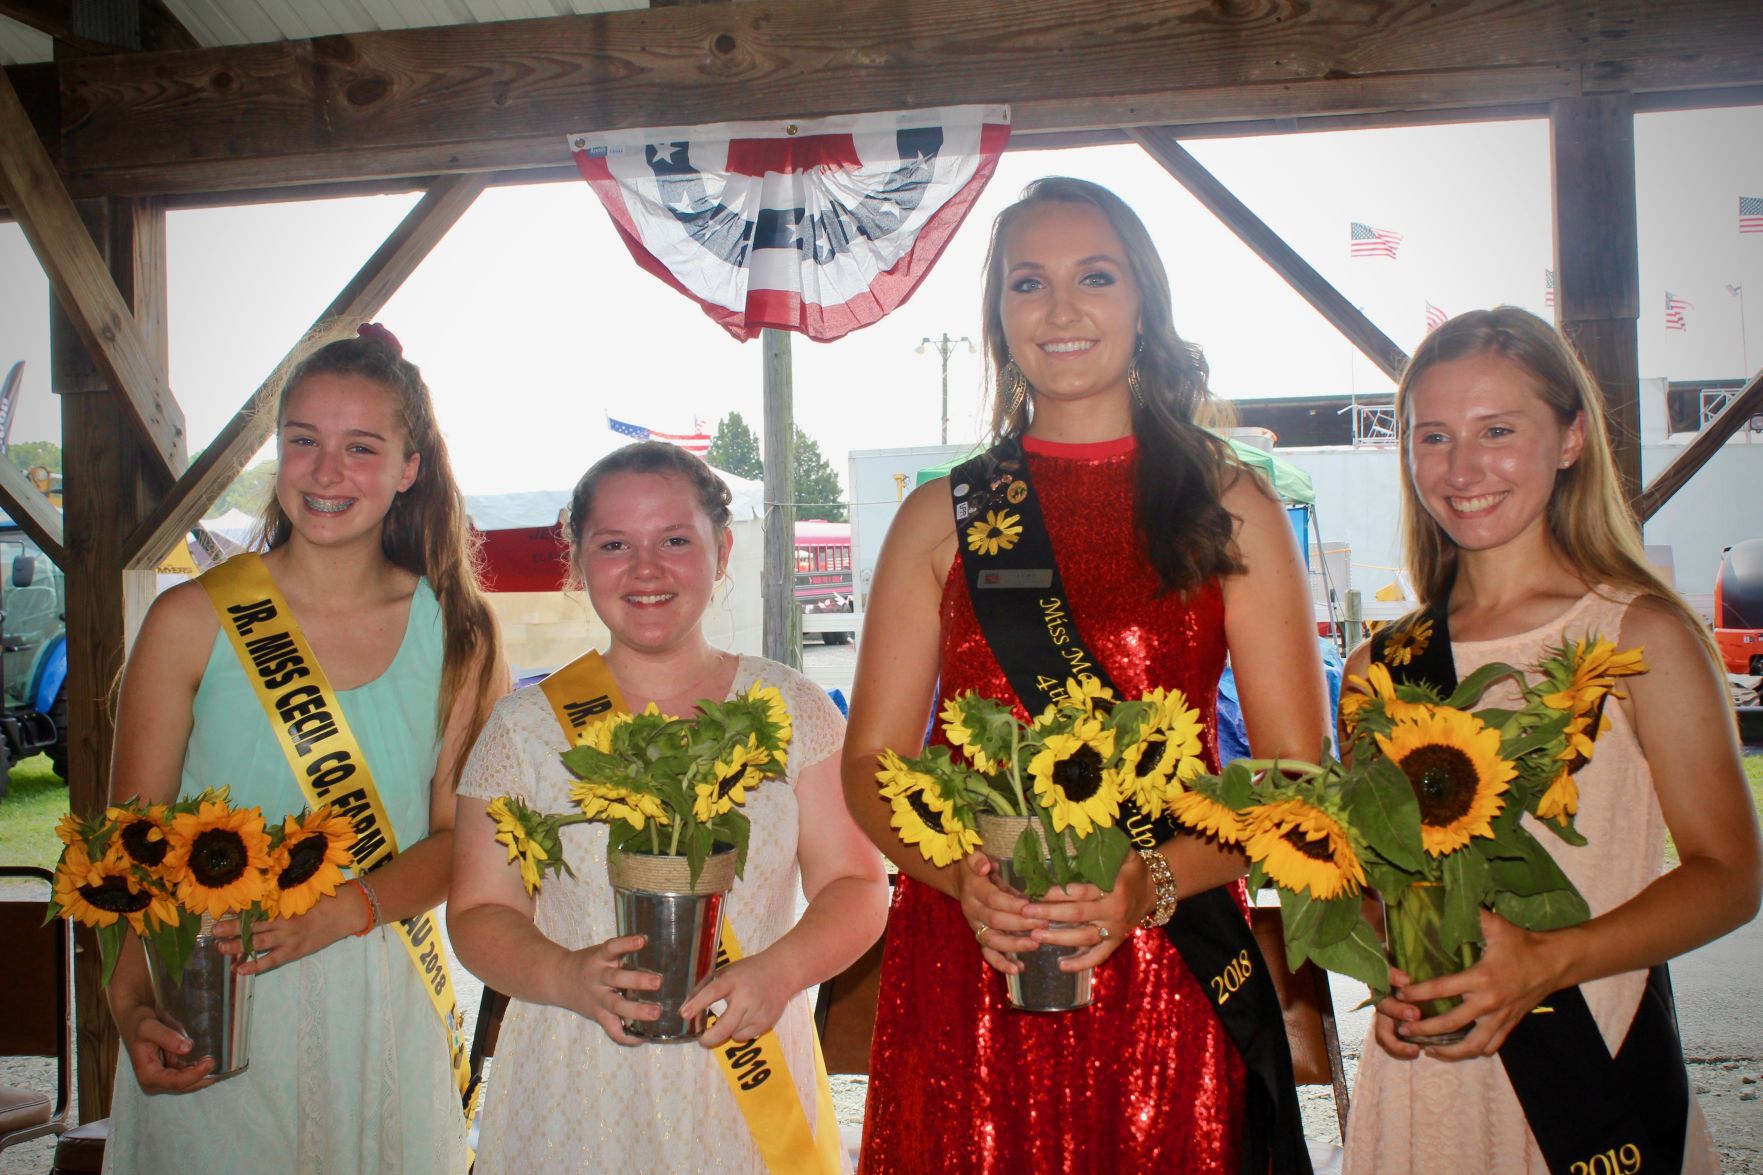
{"points": [[1738, 291], [782, 633]]}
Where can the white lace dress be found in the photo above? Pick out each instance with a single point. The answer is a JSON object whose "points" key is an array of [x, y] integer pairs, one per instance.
{"points": [[561, 1095]]}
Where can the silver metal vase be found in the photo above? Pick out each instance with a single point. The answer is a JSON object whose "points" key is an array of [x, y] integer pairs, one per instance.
{"points": [[681, 919], [210, 1003], [1040, 986]]}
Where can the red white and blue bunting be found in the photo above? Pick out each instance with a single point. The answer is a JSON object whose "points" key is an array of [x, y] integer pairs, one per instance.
{"points": [[819, 226]]}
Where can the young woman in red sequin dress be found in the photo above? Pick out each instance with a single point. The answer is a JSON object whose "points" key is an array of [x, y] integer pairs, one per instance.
{"points": [[1171, 557]]}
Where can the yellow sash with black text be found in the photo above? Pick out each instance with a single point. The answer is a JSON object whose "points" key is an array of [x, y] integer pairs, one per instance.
{"points": [[756, 1072], [328, 763]]}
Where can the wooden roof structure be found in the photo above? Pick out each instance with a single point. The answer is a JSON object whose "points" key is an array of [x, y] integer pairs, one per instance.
{"points": [[112, 111]]}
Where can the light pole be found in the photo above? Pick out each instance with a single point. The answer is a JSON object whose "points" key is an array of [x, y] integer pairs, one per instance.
{"points": [[1738, 292], [944, 347]]}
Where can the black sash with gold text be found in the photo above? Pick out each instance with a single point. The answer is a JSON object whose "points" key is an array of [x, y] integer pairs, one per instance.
{"points": [[1589, 1112], [1025, 615]]}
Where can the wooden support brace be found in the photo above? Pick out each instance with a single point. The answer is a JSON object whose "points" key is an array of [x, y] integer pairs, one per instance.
{"points": [[1347, 318], [371, 288], [31, 510], [1697, 453], [85, 289]]}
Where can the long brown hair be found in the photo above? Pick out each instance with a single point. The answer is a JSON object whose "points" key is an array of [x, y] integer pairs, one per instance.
{"points": [[426, 531], [1183, 469], [1590, 521]]}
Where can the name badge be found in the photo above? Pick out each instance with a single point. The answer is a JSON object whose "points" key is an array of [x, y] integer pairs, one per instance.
{"points": [[1019, 577]]}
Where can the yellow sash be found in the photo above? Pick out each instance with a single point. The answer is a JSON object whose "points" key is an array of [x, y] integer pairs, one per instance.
{"points": [[322, 752], [755, 1070]]}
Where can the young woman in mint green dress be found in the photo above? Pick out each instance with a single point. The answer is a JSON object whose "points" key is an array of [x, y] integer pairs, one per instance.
{"points": [[368, 543]]}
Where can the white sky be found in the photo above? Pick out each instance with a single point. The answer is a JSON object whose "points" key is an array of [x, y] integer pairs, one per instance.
{"points": [[531, 322]]}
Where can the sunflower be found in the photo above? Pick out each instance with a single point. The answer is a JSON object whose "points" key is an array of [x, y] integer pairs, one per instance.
{"points": [[1596, 666], [1168, 754], [775, 725], [140, 835], [733, 774], [70, 829], [997, 531], [1089, 694], [1200, 812], [219, 858], [1452, 760], [1376, 686], [531, 839], [96, 895], [963, 737], [1560, 803], [923, 817], [1072, 777], [1408, 642], [609, 803], [1303, 847], [599, 734], [309, 862]]}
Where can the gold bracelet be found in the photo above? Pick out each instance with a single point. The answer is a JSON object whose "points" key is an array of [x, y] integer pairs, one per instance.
{"points": [[1164, 879]]}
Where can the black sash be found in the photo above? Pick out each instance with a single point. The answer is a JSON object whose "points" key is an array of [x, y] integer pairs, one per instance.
{"points": [[1630, 1110], [1022, 609]]}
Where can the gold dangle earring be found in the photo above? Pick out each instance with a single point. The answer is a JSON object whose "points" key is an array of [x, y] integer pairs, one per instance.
{"points": [[1017, 383]]}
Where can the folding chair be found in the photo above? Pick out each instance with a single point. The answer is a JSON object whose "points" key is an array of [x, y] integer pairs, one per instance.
{"points": [[39, 1009], [1308, 1008]]}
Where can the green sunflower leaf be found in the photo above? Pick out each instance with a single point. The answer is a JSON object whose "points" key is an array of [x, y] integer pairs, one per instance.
{"points": [[1470, 688], [1466, 879], [1524, 867], [1031, 869], [1298, 912], [1382, 807], [1339, 917], [1544, 911], [1359, 955], [110, 940], [1236, 787]]}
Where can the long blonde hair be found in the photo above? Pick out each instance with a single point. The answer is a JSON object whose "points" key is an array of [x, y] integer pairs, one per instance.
{"points": [[426, 531], [1590, 521]]}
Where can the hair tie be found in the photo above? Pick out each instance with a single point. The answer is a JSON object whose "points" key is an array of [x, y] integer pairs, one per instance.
{"points": [[373, 332]]}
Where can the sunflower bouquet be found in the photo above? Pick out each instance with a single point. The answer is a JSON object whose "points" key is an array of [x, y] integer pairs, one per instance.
{"points": [[663, 785], [164, 870], [1067, 772], [1427, 810]]}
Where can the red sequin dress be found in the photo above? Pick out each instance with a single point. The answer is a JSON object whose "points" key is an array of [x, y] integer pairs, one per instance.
{"points": [[1145, 1078]]}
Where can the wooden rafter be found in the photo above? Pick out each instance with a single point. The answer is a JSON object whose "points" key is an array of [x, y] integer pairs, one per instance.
{"points": [[77, 274], [31, 510], [371, 288], [1271, 248], [500, 96], [1738, 410], [156, 27]]}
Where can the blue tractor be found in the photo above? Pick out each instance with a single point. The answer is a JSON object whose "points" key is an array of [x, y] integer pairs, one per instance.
{"points": [[33, 653]]}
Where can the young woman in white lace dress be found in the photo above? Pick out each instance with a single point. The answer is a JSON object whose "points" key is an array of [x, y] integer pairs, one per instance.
{"points": [[650, 537], [1516, 524]]}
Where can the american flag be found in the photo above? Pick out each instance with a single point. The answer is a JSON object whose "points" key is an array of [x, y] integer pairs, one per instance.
{"points": [[1548, 287], [1674, 308], [1751, 214], [814, 225], [1374, 242], [697, 442], [1435, 318]]}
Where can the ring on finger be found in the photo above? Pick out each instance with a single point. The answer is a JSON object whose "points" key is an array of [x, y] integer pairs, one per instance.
{"points": [[1102, 933], [979, 932]]}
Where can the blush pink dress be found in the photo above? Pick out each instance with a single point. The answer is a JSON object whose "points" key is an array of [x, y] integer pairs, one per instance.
{"points": [[1448, 1116]]}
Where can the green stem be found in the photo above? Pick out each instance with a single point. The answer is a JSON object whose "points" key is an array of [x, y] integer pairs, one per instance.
{"points": [[654, 838], [673, 844], [1261, 765], [1016, 769]]}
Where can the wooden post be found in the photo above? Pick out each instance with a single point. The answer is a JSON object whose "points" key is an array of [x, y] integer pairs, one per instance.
{"points": [[1355, 620], [108, 482], [1597, 258], [783, 618]]}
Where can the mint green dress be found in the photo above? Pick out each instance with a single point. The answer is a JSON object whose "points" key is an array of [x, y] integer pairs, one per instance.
{"points": [[348, 1060]]}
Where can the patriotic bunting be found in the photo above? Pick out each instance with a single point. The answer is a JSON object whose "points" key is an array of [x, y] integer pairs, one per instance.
{"points": [[820, 225], [1373, 242]]}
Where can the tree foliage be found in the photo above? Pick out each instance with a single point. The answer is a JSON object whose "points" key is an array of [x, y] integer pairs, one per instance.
{"points": [[250, 490], [736, 449], [818, 494], [25, 454]]}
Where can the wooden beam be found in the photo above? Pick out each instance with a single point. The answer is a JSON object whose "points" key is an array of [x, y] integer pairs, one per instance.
{"points": [[1738, 411], [502, 95], [27, 506], [371, 288], [1597, 259], [781, 632], [1317, 290], [154, 27], [88, 293], [109, 478]]}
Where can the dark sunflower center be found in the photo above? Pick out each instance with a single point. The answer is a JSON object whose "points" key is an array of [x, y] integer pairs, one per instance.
{"points": [[304, 858], [141, 850], [725, 786], [931, 817], [1150, 757], [1316, 850], [1080, 776], [1444, 780], [218, 857], [113, 895]]}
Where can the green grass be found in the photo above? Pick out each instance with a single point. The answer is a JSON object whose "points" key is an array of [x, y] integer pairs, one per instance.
{"points": [[34, 801]]}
